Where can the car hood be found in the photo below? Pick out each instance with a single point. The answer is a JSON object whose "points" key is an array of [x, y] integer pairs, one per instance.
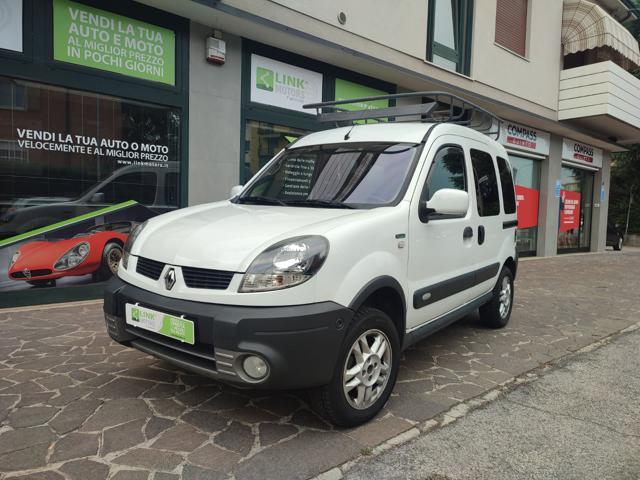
{"points": [[228, 236]]}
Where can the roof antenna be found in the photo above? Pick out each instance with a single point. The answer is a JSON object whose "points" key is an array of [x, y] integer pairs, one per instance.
{"points": [[346, 135]]}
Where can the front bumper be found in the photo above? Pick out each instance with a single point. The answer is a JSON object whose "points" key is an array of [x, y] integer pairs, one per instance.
{"points": [[300, 343]]}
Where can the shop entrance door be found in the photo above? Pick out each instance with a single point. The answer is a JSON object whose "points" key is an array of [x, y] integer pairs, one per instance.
{"points": [[574, 216], [526, 177]]}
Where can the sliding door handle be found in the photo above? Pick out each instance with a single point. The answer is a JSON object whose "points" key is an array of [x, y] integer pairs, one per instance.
{"points": [[468, 233], [480, 234]]}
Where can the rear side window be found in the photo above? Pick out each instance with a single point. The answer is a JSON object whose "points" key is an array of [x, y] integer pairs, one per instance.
{"points": [[506, 181], [484, 176], [447, 171]]}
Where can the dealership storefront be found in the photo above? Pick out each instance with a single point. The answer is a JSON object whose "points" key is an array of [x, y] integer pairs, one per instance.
{"points": [[92, 140], [527, 149], [110, 114], [275, 86], [580, 162]]}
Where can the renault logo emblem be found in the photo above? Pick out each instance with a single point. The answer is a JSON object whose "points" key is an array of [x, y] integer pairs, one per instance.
{"points": [[170, 279]]}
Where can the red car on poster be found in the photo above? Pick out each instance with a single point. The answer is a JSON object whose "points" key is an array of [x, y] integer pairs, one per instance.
{"points": [[97, 251]]}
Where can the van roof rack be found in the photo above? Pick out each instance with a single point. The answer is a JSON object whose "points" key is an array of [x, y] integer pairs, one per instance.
{"points": [[435, 107]]}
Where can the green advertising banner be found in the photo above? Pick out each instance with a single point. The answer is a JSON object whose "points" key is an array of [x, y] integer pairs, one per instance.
{"points": [[95, 38], [346, 90]]}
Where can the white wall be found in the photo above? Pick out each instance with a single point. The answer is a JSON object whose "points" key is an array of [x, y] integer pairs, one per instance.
{"points": [[214, 119], [534, 77], [401, 25]]}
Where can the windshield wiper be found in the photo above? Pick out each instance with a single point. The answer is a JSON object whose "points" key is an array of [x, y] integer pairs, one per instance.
{"points": [[320, 203], [260, 200]]}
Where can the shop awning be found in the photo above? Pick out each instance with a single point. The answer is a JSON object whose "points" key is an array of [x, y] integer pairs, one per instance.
{"points": [[586, 25]]}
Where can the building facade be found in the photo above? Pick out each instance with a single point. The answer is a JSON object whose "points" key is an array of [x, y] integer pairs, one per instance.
{"points": [[112, 112]]}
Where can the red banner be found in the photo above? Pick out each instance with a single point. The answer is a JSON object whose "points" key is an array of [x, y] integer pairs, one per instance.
{"points": [[569, 210], [527, 203]]}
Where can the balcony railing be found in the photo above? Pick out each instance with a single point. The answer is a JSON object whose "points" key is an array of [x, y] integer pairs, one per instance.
{"points": [[602, 97]]}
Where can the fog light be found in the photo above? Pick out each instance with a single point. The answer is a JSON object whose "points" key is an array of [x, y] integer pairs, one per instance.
{"points": [[255, 367]]}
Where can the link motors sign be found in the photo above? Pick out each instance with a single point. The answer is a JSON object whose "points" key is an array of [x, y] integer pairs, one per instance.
{"points": [[283, 85], [514, 135], [582, 153]]}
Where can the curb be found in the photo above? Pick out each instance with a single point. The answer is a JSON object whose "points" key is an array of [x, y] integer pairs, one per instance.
{"points": [[49, 306]]}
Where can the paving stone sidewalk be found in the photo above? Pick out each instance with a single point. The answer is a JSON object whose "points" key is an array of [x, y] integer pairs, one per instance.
{"points": [[75, 405]]}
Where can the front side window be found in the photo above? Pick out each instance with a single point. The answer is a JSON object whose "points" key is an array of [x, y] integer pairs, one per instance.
{"points": [[360, 175], [449, 34], [447, 171], [484, 176]]}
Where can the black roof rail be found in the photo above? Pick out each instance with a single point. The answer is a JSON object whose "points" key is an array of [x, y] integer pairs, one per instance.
{"points": [[434, 107]]}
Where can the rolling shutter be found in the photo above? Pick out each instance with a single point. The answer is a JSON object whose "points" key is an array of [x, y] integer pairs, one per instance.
{"points": [[511, 25]]}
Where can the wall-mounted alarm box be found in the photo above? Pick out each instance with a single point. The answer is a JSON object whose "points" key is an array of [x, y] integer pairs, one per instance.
{"points": [[216, 50]]}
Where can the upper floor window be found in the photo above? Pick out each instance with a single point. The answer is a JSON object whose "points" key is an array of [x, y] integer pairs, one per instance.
{"points": [[511, 25], [449, 34]]}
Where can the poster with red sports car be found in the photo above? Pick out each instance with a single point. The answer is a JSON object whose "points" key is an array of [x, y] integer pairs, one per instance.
{"points": [[569, 210], [96, 251]]}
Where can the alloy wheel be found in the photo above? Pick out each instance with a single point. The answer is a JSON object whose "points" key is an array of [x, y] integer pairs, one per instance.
{"points": [[505, 297], [367, 369]]}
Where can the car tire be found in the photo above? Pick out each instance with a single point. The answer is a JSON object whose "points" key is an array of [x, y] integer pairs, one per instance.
{"points": [[618, 245], [111, 256], [497, 312], [377, 370]]}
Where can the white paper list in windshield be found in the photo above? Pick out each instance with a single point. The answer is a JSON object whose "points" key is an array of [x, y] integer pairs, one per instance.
{"points": [[298, 173]]}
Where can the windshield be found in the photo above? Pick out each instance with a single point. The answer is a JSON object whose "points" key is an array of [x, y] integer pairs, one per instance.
{"points": [[359, 175]]}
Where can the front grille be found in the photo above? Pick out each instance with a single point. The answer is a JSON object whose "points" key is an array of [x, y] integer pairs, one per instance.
{"points": [[205, 278], [34, 273], [149, 268]]}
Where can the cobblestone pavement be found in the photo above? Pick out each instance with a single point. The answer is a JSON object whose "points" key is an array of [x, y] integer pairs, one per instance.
{"points": [[75, 405]]}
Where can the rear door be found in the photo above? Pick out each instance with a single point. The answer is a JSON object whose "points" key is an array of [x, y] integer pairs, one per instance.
{"points": [[487, 219]]}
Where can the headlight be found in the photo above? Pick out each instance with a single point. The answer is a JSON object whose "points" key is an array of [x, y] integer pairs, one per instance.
{"points": [[14, 259], [285, 264], [73, 257], [135, 231]]}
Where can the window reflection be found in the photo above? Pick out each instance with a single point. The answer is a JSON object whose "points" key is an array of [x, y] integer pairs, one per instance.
{"points": [[64, 153]]}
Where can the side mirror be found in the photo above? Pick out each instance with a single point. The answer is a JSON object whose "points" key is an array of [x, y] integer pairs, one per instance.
{"points": [[446, 201], [235, 191], [97, 198]]}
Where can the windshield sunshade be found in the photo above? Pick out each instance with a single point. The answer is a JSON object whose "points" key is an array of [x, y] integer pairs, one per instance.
{"points": [[335, 176]]}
